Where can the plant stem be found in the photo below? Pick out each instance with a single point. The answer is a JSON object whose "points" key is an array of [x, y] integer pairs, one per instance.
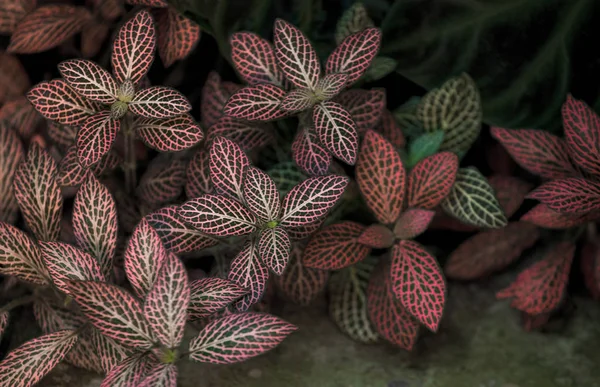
{"points": [[129, 162], [18, 302]]}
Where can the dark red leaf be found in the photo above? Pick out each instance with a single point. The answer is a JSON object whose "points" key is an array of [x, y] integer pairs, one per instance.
{"points": [[570, 195], [365, 106], [177, 35], [309, 154], [377, 236], [412, 223], [299, 283], [510, 192], [582, 134], [543, 216], [335, 247], [430, 181]]}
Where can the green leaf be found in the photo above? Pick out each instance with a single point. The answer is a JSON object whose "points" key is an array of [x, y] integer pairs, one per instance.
{"points": [[407, 119], [472, 200], [425, 145], [353, 20], [380, 67], [286, 175]]}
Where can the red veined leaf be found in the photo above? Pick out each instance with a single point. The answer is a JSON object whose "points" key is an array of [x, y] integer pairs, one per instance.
{"points": [[309, 154], [211, 295], [62, 135], [336, 130], [537, 151], [133, 48], [115, 312], [542, 216], [52, 315], [198, 175], [309, 201], [47, 27], [534, 321], [238, 337], [510, 192], [144, 256], [247, 271], [65, 262], [388, 127], [582, 134], [21, 116], [412, 223], [128, 372], [28, 364], [93, 35], [161, 375], [14, 81], [418, 282], [175, 234], [299, 283], [3, 322], [228, 164], [177, 35], [570, 195], [381, 177], [166, 304], [247, 135], [431, 180], [295, 55], [256, 103], [95, 137], [57, 101], [330, 85], [20, 256], [590, 268], [335, 247], [11, 155], [539, 288], [261, 195], [163, 180], [303, 232], [38, 193], [89, 80], [159, 102], [386, 313], [149, 3], [71, 173], [274, 249], [365, 106], [214, 96], [298, 100], [254, 59], [354, 54], [377, 236], [218, 215], [490, 251], [12, 12], [95, 352], [95, 223]]}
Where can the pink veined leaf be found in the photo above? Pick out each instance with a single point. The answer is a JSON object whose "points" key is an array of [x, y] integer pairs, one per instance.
{"points": [[412, 223], [211, 295], [510, 192], [303, 232], [431, 180], [418, 282], [261, 195], [582, 134], [336, 130], [65, 262], [144, 257], [387, 314], [214, 98], [365, 106], [540, 287], [83, 355], [381, 177], [4, 317], [309, 154], [128, 372], [21, 116], [46, 27], [388, 127], [38, 193], [28, 364], [11, 155], [176, 235], [238, 337], [295, 55], [248, 136], [72, 174], [169, 134], [377, 236], [309, 201], [256, 103], [20, 256], [95, 223], [198, 174], [331, 85], [542, 216], [133, 48], [274, 249], [247, 271], [95, 137], [159, 102], [570, 195], [163, 181], [115, 312], [354, 54], [93, 35], [57, 101], [298, 100], [109, 352], [51, 316], [166, 304], [335, 247], [62, 135], [254, 59], [537, 151], [12, 12], [161, 375], [89, 80], [218, 215], [177, 35], [228, 164]]}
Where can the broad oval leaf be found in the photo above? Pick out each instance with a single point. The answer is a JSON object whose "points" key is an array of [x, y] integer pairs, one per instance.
{"points": [[20, 256], [261, 195], [335, 247], [274, 249], [89, 80], [390, 129], [133, 48], [214, 96], [510, 192], [228, 164], [254, 59], [336, 130], [381, 177], [377, 236], [582, 134], [309, 154], [198, 174], [247, 271], [256, 103], [431, 180], [169, 134], [365, 106], [354, 54], [298, 283], [95, 137], [159, 102], [412, 223], [72, 174], [218, 215], [212, 295], [57, 101], [249, 136], [570, 195], [177, 35], [163, 180], [62, 135], [238, 337], [542, 216], [472, 200]]}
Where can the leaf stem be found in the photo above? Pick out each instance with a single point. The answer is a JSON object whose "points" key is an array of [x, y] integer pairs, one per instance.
{"points": [[28, 299], [129, 162]]}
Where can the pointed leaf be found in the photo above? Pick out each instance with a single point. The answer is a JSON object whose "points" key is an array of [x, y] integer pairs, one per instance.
{"points": [[133, 48], [128, 372], [330, 85], [286, 175], [163, 181], [261, 195], [177, 35], [89, 80], [63, 136], [510, 192], [274, 249], [249, 136], [303, 232], [412, 223], [254, 59], [353, 20], [295, 55], [389, 128], [57, 101], [299, 283], [12, 12], [218, 215], [431, 180], [335, 247], [298, 100], [95, 137], [309, 154], [256, 103], [109, 352], [21, 115], [379, 68], [214, 96], [159, 102], [542, 216], [238, 337], [377, 236], [11, 155], [365, 106], [582, 134], [336, 130], [354, 54], [162, 375], [198, 175], [247, 271], [570, 195], [20, 256], [211, 295], [169, 134], [381, 177], [72, 174], [423, 146], [228, 164]]}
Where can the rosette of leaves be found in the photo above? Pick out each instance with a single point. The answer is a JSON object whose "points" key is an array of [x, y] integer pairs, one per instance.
{"points": [[246, 202], [402, 202]]}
